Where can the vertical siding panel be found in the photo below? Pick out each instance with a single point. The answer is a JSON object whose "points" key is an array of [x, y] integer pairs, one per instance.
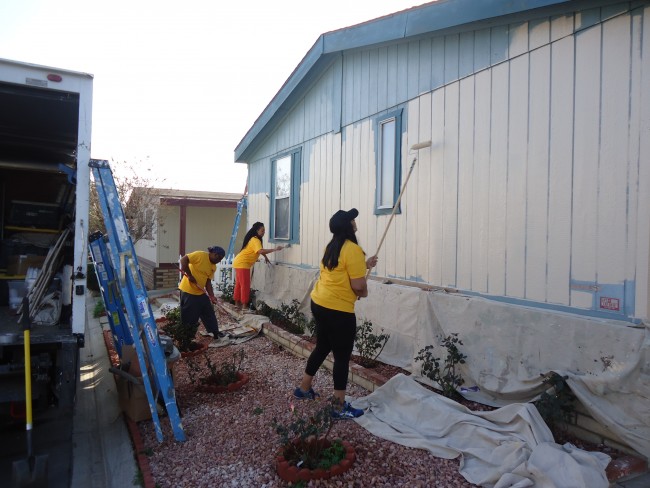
{"points": [[437, 185], [356, 86], [402, 73], [518, 34], [587, 18], [538, 161], [317, 200], [481, 178], [639, 161], [413, 69], [345, 90], [437, 62], [450, 190], [399, 227], [425, 66], [466, 54], [410, 200], [498, 178], [423, 232], [465, 183], [307, 205], [347, 164], [585, 182], [560, 171], [365, 206], [382, 78], [612, 173], [373, 91], [499, 44], [451, 58], [516, 186], [365, 79], [561, 26], [539, 32], [392, 79], [481, 49]]}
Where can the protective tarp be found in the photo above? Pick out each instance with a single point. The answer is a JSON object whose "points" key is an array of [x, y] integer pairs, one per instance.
{"points": [[507, 447], [508, 347]]}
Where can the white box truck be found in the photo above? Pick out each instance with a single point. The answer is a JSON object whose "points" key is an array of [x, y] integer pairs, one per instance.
{"points": [[45, 127]]}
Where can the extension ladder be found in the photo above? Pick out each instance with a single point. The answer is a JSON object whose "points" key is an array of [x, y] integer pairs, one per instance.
{"points": [[139, 316], [230, 253], [110, 291]]}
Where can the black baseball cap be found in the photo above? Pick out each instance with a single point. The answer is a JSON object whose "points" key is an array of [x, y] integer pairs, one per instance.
{"points": [[341, 219]]}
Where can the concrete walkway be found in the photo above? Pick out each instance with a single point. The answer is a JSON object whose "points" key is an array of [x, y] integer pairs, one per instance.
{"points": [[102, 454]]}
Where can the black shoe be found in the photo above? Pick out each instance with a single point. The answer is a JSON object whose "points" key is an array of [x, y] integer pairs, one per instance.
{"points": [[221, 335]]}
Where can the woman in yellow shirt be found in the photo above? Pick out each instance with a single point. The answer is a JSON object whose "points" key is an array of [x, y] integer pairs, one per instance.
{"points": [[250, 252], [341, 283]]}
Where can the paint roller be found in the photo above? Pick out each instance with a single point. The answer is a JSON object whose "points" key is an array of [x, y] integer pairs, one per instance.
{"points": [[414, 147]]}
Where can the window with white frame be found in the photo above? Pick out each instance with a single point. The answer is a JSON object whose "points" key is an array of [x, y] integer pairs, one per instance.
{"points": [[285, 201], [388, 151]]}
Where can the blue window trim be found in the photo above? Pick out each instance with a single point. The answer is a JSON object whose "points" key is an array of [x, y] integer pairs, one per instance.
{"points": [[294, 224], [397, 115]]}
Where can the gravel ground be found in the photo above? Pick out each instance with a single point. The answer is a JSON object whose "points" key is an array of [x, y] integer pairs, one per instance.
{"points": [[231, 441]]}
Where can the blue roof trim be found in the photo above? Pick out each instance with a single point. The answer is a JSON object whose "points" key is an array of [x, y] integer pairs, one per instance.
{"points": [[431, 17]]}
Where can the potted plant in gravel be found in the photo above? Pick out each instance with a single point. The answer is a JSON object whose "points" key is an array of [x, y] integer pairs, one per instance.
{"points": [[306, 453], [183, 336], [226, 377]]}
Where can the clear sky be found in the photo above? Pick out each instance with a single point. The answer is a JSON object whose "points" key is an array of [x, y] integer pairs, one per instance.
{"points": [[178, 84]]}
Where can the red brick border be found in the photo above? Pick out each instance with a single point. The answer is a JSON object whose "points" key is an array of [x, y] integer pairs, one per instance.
{"points": [[138, 444]]}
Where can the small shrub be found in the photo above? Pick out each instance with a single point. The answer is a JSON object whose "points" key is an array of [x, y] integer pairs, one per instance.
{"points": [[99, 309], [182, 335], [227, 292], [209, 373], [288, 317], [444, 374], [557, 404], [368, 344], [303, 437]]}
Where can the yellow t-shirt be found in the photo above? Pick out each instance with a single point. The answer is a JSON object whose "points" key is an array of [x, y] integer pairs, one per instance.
{"points": [[202, 269], [333, 289], [247, 256]]}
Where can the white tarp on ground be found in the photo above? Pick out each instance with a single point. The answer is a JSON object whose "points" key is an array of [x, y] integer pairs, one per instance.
{"points": [[507, 447], [508, 347]]}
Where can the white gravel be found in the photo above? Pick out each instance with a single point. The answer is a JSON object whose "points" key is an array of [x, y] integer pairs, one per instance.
{"points": [[231, 441]]}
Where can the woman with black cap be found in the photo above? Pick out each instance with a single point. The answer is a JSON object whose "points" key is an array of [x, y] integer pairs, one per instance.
{"points": [[342, 281]]}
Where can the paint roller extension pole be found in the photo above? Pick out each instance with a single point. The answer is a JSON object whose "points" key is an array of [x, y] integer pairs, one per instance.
{"points": [[414, 147]]}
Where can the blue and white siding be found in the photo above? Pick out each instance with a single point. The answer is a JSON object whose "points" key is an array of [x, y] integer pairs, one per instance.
{"points": [[536, 187]]}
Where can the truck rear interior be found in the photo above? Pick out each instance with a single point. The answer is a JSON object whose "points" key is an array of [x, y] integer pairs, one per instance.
{"points": [[38, 143]]}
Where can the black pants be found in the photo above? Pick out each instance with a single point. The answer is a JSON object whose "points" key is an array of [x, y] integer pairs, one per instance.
{"points": [[195, 307], [335, 332]]}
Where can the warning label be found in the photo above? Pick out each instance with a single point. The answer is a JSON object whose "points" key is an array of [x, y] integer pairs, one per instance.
{"points": [[609, 303]]}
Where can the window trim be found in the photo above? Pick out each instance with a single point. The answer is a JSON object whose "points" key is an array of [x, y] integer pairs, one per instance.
{"points": [[397, 116], [294, 197]]}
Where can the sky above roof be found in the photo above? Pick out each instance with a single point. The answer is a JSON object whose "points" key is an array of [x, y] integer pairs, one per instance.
{"points": [[177, 84]]}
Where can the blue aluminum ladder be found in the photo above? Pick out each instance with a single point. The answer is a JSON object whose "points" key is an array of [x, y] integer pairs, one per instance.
{"points": [[109, 287], [230, 253], [139, 316]]}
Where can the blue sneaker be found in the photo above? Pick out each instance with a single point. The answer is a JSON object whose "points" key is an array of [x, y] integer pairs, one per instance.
{"points": [[305, 395], [347, 412]]}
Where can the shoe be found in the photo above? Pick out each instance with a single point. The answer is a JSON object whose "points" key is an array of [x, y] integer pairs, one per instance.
{"points": [[305, 395], [220, 335], [347, 412]]}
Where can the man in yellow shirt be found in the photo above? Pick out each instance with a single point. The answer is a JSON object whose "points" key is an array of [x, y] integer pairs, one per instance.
{"points": [[197, 295]]}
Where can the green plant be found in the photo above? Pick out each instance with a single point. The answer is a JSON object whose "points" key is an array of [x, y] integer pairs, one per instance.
{"points": [[217, 375], [182, 335], [332, 455], [227, 292], [304, 438], [99, 309], [138, 479], [444, 374], [556, 405], [368, 344], [258, 411], [226, 373]]}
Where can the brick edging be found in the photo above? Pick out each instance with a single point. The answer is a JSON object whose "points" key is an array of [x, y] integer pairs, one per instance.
{"points": [[136, 438]]}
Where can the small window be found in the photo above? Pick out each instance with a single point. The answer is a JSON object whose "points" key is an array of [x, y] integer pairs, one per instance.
{"points": [[285, 202], [388, 151]]}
